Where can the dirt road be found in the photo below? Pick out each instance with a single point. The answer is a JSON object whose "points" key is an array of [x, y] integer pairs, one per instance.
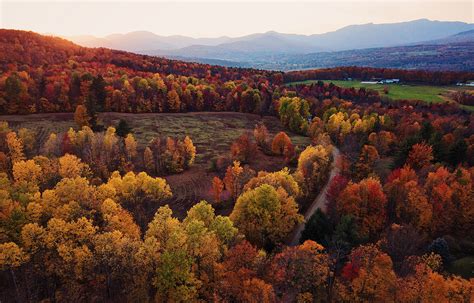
{"points": [[319, 202]]}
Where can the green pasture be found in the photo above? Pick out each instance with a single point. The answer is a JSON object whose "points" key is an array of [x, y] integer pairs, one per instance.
{"points": [[427, 93]]}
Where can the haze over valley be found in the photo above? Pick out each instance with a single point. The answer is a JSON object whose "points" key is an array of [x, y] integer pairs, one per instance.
{"points": [[418, 44]]}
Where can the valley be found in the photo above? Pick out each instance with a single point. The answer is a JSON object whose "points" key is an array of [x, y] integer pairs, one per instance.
{"points": [[127, 177]]}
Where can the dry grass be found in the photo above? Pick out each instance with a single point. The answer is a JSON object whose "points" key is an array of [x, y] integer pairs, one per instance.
{"points": [[212, 134]]}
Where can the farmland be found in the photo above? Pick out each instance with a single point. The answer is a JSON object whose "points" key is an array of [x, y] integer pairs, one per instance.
{"points": [[427, 93]]}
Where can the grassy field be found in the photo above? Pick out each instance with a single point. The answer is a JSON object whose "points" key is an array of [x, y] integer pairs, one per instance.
{"points": [[212, 134], [427, 93]]}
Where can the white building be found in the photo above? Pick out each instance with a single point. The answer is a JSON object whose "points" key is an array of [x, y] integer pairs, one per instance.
{"points": [[389, 81]]}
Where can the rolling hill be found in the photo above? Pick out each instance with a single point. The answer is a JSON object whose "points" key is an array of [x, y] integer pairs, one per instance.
{"points": [[350, 37], [434, 45], [433, 56]]}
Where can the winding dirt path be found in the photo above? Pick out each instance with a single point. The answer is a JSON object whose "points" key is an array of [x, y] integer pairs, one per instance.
{"points": [[319, 202]]}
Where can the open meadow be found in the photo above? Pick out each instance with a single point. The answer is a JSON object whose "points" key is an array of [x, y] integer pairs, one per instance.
{"points": [[212, 134], [427, 93]]}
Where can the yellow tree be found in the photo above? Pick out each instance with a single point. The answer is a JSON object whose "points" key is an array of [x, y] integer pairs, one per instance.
{"points": [[335, 123], [208, 236], [71, 166], [117, 262], [280, 179], [313, 167], [265, 215], [222, 226], [110, 145], [11, 257], [27, 172], [28, 138], [49, 169], [65, 251], [166, 248], [117, 218], [81, 117], [174, 103], [51, 146], [130, 147], [15, 147], [189, 151], [139, 192], [71, 195]]}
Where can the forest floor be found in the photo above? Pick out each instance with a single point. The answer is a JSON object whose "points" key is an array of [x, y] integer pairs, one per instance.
{"points": [[212, 134]]}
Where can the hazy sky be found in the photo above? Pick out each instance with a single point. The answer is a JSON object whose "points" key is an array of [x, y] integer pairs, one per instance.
{"points": [[217, 18]]}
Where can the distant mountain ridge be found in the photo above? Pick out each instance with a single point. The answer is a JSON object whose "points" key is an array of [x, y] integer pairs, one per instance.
{"points": [[350, 45], [349, 37], [144, 40]]}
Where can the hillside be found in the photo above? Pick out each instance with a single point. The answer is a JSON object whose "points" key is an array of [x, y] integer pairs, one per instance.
{"points": [[21, 47], [434, 50], [41, 73], [447, 54], [48, 74], [130, 178], [226, 48]]}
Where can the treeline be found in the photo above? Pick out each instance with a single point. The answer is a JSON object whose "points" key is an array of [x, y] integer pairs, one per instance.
{"points": [[46, 74], [35, 50], [368, 73]]}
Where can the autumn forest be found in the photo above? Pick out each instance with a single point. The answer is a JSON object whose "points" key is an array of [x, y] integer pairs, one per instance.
{"points": [[324, 194]]}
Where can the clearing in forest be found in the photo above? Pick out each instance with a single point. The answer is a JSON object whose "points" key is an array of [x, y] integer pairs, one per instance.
{"points": [[212, 134]]}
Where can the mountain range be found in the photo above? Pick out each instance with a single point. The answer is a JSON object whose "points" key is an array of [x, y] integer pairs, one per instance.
{"points": [[288, 51]]}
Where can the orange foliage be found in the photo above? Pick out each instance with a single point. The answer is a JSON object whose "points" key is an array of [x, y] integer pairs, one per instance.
{"points": [[367, 203]]}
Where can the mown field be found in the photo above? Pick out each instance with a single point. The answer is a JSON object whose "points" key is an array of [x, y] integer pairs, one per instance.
{"points": [[427, 93], [212, 134]]}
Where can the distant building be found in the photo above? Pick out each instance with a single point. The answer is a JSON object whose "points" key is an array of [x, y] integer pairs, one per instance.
{"points": [[465, 84], [381, 81], [389, 81]]}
